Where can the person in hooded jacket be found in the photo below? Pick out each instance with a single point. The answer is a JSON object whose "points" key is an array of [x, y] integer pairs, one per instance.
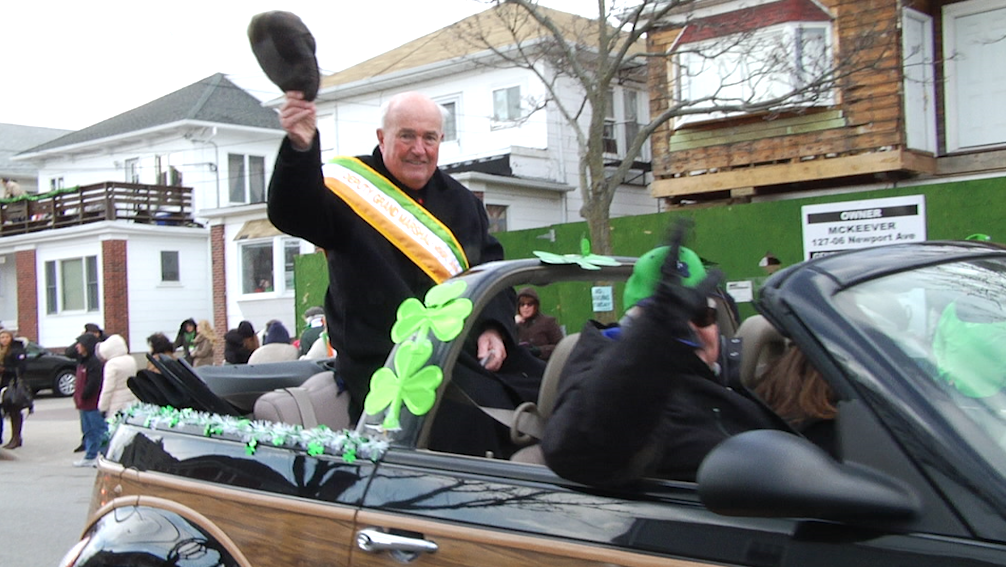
{"points": [[119, 367], [535, 330], [87, 389], [186, 338], [240, 343], [276, 345]]}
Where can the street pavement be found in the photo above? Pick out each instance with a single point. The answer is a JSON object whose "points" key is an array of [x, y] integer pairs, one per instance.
{"points": [[43, 499]]}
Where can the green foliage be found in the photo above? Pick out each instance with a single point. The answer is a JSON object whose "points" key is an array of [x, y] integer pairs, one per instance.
{"points": [[310, 279]]}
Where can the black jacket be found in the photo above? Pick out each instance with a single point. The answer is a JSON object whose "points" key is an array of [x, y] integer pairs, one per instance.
{"points": [[368, 276], [641, 405], [13, 363], [235, 351], [87, 386]]}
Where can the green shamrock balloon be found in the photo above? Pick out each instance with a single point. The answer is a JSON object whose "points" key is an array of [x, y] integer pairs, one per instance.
{"points": [[586, 259], [444, 313], [410, 383]]}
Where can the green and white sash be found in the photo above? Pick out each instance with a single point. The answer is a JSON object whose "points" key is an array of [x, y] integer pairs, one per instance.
{"points": [[405, 223]]}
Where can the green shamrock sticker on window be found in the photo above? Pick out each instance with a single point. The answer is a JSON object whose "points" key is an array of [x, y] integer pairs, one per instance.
{"points": [[410, 383], [586, 259], [444, 313]]}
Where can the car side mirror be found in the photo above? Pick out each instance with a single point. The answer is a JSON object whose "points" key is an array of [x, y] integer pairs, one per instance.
{"points": [[768, 473]]}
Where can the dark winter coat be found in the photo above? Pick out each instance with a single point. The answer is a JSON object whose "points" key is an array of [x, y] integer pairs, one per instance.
{"points": [[185, 340], [276, 333], [238, 343], [540, 332], [641, 405], [13, 363], [368, 276], [87, 387]]}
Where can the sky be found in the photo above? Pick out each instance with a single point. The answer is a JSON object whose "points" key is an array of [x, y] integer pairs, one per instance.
{"points": [[73, 64]]}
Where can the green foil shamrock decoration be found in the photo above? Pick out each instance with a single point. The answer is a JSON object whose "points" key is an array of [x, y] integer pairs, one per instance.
{"points": [[586, 259], [410, 383], [444, 313]]}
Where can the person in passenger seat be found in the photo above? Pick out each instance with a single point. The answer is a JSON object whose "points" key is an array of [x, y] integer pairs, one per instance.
{"points": [[795, 390], [650, 397]]}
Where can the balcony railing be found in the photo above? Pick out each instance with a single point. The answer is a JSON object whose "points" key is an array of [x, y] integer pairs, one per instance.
{"points": [[152, 204]]}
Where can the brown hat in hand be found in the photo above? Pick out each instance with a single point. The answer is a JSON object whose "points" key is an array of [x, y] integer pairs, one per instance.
{"points": [[285, 49]]}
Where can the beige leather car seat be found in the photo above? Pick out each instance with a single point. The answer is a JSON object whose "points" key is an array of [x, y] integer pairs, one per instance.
{"points": [[529, 418], [317, 401], [761, 345]]}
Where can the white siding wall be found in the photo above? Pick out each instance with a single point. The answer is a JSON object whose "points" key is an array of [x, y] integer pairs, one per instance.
{"points": [[61, 329], [8, 292], [348, 127], [158, 306], [543, 147], [525, 208], [154, 306]]}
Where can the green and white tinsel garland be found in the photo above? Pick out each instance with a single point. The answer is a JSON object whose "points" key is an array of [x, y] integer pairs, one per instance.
{"points": [[315, 441]]}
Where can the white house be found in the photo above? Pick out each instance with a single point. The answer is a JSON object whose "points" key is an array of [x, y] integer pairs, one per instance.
{"points": [[523, 164], [116, 236], [520, 158], [217, 256]]}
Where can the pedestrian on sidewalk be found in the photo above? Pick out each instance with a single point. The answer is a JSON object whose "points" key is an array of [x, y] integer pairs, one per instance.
{"points": [[85, 397], [11, 368]]}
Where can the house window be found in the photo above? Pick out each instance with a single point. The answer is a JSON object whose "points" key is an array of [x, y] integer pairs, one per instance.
{"points": [[268, 265], [55, 183], [630, 106], [451, 121], [506, 105], [291, 249], [51, 302], [256, 267], [753, 68], [169, 266], [973, 55], [72, 284], [247, 178], [621, 120], [608, 138], [133, 170], [497, 218]]}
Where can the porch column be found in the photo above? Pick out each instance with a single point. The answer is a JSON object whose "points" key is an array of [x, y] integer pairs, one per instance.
{"points": [[27, 294], [219, 275], [116, 289]]}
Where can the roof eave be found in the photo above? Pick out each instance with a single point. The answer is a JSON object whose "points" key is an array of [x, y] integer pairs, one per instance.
{"points": [[128, 137], [401, 78]]}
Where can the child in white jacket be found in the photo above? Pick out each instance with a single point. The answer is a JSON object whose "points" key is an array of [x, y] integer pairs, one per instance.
{"points": [[119, 366]]}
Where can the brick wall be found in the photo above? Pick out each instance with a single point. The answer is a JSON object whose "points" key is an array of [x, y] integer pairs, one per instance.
{"points": [[27, 294], [219, 273], [115, 299]]}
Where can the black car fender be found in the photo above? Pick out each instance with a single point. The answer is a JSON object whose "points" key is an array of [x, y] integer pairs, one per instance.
{"points": [[149, 531]]}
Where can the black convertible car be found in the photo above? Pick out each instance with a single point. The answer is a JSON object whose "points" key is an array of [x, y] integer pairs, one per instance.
{"points": [[911, 337]]}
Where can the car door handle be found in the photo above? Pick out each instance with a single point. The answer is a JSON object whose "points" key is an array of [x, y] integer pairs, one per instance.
{"points": [[374, 540]]}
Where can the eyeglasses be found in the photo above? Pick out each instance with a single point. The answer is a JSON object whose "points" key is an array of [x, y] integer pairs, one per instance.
{"points": [[525, 303], [705, 317]]}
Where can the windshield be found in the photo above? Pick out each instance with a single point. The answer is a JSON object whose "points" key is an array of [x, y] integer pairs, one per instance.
{"points": [[950, 320]]}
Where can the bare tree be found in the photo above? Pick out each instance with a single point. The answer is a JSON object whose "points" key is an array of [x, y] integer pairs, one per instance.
{"points": [[751, 72]]}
